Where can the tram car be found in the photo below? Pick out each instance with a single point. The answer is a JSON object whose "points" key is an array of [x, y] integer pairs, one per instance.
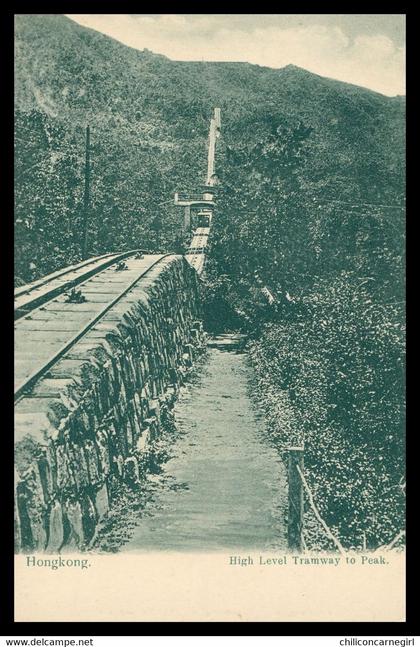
{"points": [[202, 219]]}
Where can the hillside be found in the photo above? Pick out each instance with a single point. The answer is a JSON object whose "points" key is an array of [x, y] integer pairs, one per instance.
{"points": [[149, 119]]}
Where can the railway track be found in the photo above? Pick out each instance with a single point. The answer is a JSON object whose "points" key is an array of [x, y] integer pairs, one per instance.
{"points": [[196, 252], [199, 242], [28, 297], [48, 331]]}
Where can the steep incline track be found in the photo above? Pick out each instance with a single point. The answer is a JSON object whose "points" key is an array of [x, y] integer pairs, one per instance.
{"points": [[196, 253]]}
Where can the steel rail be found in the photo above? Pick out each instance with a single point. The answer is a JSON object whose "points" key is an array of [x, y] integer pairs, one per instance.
{"points": [[26, 308], [30, 382], [35, 285]]}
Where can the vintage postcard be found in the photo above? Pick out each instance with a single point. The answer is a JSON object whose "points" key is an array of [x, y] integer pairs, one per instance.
{"points": [[209, 317]]}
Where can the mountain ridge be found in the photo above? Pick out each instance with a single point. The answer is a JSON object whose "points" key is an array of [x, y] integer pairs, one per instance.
{"points": [[289, 67], [149, 119], [26, 25]]}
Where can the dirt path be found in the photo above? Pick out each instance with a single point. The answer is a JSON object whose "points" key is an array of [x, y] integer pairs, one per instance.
{"points": [[224, 486]]}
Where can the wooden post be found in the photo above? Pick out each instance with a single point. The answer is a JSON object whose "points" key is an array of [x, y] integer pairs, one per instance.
{"points": [[211, 152], [295, 521], [86, 196]]}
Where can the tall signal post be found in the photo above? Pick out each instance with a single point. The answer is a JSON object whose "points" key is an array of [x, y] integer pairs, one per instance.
{"points": [[213, 134], [204, 199]]}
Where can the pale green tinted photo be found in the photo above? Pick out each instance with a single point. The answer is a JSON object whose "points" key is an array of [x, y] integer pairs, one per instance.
{"points": [[209, 285]]}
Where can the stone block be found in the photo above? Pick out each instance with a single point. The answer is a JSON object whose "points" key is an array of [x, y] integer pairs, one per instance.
{"points": [[103, 452], [102, 502], [131, 470], [89, 517], [78, 465], [55, 528], [64, 474], [91, 454], [38, 525], [75, 538], [44, 478], [143, 440]]}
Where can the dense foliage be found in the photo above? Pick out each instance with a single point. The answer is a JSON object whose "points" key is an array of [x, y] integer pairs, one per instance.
{"points": [[329, 351]]}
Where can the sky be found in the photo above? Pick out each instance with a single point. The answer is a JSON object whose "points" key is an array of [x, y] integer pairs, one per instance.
{"points": [[364, 49]]}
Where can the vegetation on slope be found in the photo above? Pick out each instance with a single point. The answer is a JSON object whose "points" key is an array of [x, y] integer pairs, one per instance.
{"points": [[329, 352]]}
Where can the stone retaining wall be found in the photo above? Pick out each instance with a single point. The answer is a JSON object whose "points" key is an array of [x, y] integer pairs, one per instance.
{"points": [[94, 417]]}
